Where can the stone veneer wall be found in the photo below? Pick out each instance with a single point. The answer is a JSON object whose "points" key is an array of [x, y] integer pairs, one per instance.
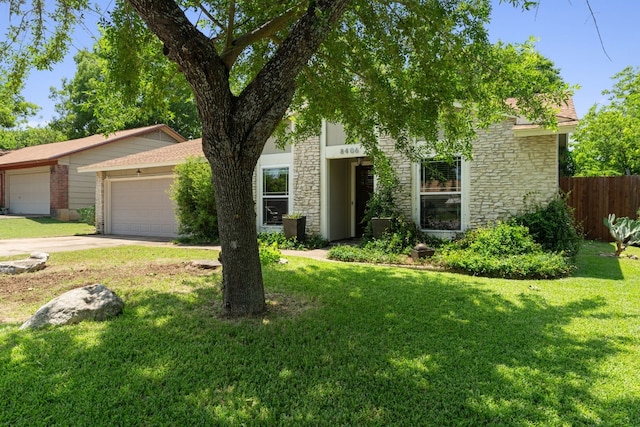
{"points": [[100, 183], [506, 168], [306, 182], [403, 169]]}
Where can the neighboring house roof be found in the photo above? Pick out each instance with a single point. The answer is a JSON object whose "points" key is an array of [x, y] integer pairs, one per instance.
{"points": [[166, 156], [48, 153]]}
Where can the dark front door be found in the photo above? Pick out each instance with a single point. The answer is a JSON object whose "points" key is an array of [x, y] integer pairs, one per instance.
{"points": [[364, 189]]}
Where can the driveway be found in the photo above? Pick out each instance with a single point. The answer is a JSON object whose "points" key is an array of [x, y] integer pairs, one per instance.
{"points": [[10, 247]]}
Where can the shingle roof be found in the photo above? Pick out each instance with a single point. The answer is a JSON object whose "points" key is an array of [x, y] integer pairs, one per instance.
{"points": [[49, 152], [566, 113], [170, 155]]}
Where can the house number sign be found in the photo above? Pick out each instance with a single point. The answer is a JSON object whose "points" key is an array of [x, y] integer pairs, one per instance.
{"points": [[350, 150]]}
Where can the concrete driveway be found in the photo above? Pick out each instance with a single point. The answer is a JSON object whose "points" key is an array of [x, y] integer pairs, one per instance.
{"points": [[10, 247]]}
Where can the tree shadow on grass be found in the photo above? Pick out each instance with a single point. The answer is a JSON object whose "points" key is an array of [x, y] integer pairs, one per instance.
{"points": [[379, 346], [597, 262]]}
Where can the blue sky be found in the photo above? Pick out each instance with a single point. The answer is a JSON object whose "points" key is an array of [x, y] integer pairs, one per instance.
{"points": [[564, 31], [566, 34]]}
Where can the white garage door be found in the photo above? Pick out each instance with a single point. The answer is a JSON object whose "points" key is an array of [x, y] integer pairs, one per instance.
{"points": [[29, 193], [143, 208]]}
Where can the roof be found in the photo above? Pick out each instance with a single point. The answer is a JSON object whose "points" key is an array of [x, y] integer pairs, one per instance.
{"points": [[48, 153], [567, 121], [170, 155]]}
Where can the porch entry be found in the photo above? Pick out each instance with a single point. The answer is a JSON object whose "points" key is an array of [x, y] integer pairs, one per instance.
{"points": [[349, 188], [363, 192]]}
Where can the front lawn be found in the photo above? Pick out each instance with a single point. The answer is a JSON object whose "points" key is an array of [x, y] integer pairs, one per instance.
{"points": [[15, 228], [342, 345]]}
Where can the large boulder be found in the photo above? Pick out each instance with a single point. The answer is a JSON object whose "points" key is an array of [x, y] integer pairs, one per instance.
{"points": [[93, 302], [36, 261]]}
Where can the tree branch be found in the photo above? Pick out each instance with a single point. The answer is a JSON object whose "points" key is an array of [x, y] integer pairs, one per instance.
{"points": [[211, 17], [234, 48], [230, 22]]}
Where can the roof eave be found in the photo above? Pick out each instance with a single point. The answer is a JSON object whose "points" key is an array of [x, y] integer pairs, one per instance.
{"points": [[85, 169], [29, 164], [520, 132]]}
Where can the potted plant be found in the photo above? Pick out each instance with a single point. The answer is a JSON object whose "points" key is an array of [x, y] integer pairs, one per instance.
{"points": [[381, 208], [293, 226]]}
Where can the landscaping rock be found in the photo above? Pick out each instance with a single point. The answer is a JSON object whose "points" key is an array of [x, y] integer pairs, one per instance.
{"points": [[94, 302], [36, 261]]}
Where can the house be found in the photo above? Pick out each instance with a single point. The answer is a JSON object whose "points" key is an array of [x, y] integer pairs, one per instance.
{"points": [[43, 179], [330, 182]]}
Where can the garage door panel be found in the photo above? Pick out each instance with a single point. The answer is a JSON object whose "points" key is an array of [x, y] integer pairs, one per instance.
{"points": [[29, 193], [143, 208]]}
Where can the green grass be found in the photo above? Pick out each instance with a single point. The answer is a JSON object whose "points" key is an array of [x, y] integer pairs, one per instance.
{"points": [[343, 345], [15, 228]]}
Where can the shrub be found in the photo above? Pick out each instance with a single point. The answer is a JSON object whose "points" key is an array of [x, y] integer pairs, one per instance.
{"points": [[503, 250], [269, 254], [552, 225], [192, 192], [392, 248], [347, 253], [312, 241], [402, 237], [540, 265], [88, 215]]}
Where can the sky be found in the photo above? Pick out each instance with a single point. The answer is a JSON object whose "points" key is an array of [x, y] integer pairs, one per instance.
{"points": [[564, 31]]}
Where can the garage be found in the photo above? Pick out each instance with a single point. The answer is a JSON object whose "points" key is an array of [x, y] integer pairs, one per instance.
{"points": [[142, 207], [29, 193]]}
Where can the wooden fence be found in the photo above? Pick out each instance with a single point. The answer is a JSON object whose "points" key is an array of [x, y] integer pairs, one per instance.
{"points": [[593, 198]]}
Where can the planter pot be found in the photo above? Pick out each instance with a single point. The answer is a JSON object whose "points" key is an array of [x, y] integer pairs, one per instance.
{"points": [[294, 227], [379, 226]]}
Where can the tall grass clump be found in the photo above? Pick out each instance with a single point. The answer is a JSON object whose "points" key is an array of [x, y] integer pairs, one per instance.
{"points": [[88, 215]]}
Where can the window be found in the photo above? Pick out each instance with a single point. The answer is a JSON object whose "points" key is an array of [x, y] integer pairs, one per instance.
{"points": [[441, 195], [275, 195]]}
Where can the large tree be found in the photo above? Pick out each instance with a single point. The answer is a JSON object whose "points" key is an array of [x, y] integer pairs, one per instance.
{"points": [[100, 97], [402, 68], [607, 141]]}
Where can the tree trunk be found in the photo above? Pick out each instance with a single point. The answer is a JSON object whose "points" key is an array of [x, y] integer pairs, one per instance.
{"points": [[235, 128], [243, 289]]}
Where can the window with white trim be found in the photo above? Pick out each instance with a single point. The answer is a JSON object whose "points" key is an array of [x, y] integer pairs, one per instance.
{"points": [[275, 194], [441, 195]]}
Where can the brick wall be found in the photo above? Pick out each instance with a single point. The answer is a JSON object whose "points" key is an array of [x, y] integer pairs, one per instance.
{"points": [[59, 190]]}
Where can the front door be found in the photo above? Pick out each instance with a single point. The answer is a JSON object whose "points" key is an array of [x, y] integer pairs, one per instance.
{"points": [[363, 190]]}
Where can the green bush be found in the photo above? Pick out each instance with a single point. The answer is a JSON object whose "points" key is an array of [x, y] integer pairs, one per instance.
{"points": [[347, 253], [312, 241], [541, 265], [392, 248], [192, 192], [88, 215], [501, 239], [269, 253], [402, 237], [503, 250], [552, 225]]}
